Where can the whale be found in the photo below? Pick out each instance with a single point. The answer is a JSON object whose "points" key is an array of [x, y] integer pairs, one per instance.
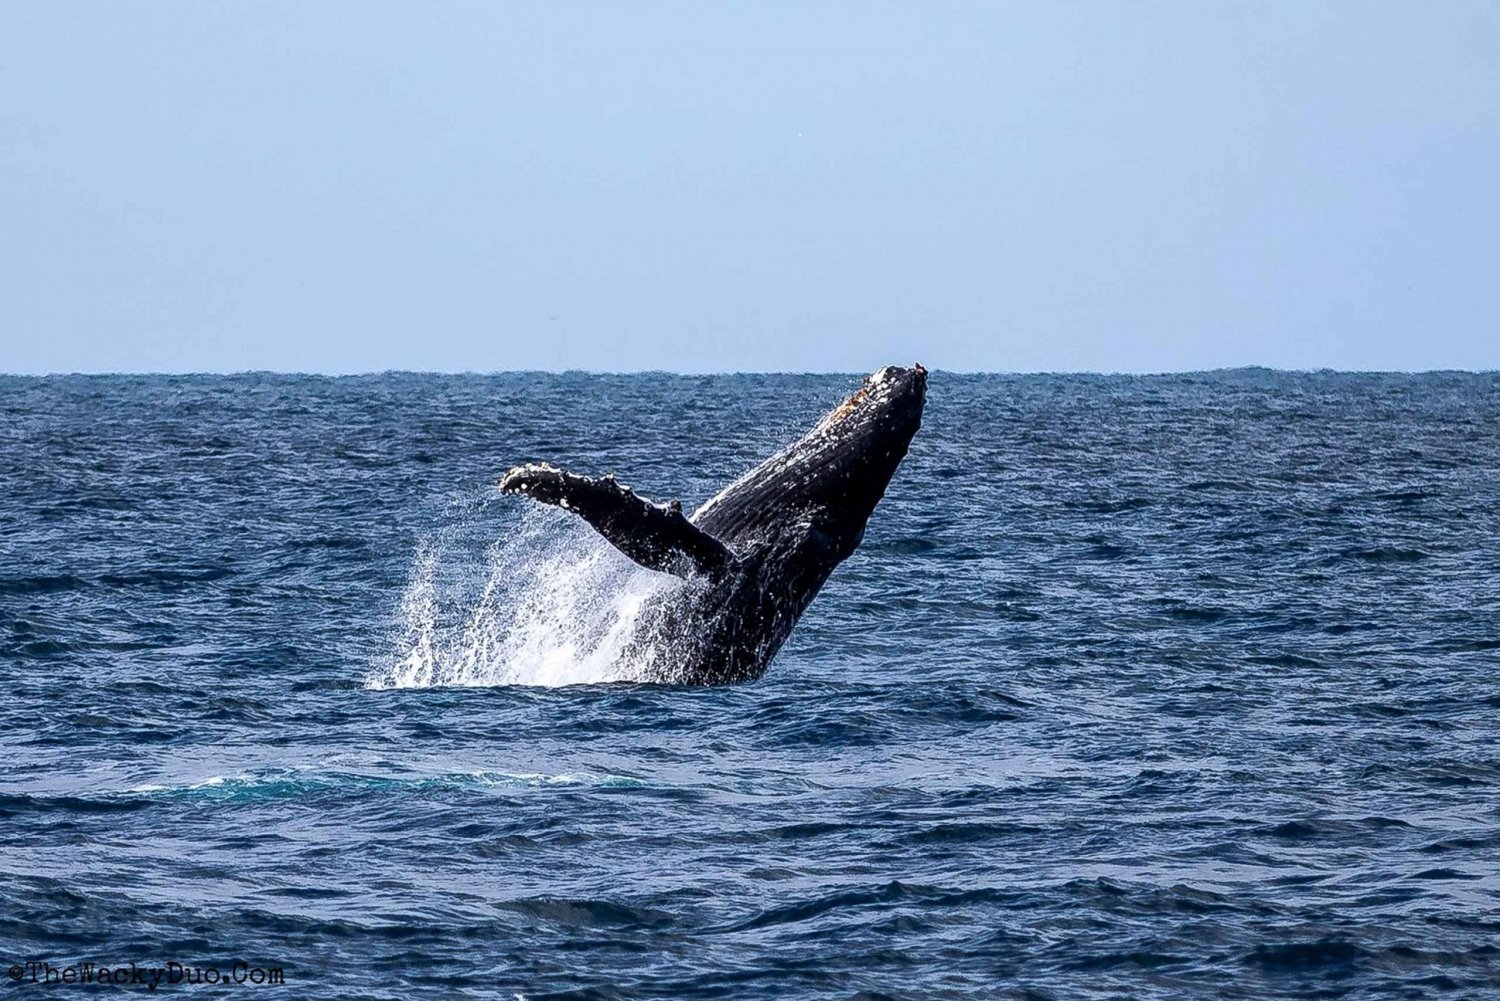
{"points": [[753, 557]]}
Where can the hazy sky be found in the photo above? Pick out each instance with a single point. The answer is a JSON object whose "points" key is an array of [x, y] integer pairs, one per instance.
{"points": [[356, 186]]}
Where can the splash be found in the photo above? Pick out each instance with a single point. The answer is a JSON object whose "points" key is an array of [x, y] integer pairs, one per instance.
{"points": [[554, 605]]}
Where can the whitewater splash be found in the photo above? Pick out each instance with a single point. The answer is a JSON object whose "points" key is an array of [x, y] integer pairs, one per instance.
{"points": [[556, 606]]}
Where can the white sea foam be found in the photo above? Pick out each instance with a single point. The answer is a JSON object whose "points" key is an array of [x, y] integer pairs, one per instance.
{"points": [[555, 606], [300, 780]]}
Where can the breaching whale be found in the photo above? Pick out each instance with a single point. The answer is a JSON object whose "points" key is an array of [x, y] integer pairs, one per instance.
{"points": [[754, 556]]}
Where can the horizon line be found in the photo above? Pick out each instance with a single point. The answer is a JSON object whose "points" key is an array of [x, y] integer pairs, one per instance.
{"points": [[709, 373]]}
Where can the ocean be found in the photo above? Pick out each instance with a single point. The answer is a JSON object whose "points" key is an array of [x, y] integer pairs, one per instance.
{"points": [[1158, 687]]}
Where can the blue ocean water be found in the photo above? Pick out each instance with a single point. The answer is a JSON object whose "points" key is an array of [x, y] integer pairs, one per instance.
{"points": [[1151, 687]]}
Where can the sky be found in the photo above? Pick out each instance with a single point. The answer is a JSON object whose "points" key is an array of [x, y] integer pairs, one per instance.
{"points": [[803, 186]]}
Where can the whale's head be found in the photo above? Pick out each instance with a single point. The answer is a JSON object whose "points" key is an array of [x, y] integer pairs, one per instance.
{"points": [[834, 475], [852, 454], [888, 402]]}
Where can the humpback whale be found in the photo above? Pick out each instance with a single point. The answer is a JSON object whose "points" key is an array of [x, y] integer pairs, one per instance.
{"points": [[755, 555]]}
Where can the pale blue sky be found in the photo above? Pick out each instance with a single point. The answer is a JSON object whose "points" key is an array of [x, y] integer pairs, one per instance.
{"points": [[356, 186]]}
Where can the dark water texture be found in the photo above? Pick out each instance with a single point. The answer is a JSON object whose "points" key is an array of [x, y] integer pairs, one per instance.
{"points": [[1153, 687]]}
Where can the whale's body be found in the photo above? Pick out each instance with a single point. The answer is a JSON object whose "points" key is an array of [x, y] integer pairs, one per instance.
{"points": [[756, 554]]}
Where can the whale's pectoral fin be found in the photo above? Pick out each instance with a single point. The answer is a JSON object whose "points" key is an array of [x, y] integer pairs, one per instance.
{"points": [[657, 536]]}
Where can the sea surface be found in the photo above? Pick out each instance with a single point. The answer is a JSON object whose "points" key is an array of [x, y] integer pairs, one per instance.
{"points": [[1149, 687]]}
